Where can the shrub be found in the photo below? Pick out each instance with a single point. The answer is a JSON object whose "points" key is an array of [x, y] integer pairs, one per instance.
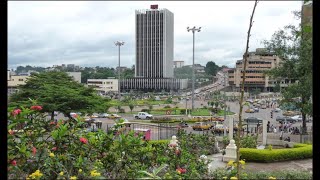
{"points": [[300, 151], [167, 107], [122, 111], [220, 173], [248, 141], [145, 110]]}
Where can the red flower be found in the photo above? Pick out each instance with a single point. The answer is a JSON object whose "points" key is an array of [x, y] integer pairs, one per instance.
{"points": [[34, 150], [83, 140], [14, 162], [16, 112], [181, 170], [54, 149], [36, 108], [177, 152], [52, 123]]}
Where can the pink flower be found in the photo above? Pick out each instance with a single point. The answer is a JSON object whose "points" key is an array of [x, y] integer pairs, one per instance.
{"points": [[11, 132], [83, 140], [52, 123], [14, 162], [181, 170], [34, 150], [75, 115], [54, 149], [36, 108], [16, 112]]}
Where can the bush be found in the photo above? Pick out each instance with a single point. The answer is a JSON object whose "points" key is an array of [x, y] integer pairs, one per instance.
{"points": [[167, 107], [48, 150], [145, 110], [122, 111], [300, 151], [220, 173], [248, 141]]}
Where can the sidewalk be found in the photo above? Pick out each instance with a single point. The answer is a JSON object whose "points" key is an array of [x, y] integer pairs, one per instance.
{"points": [[304, 164]]}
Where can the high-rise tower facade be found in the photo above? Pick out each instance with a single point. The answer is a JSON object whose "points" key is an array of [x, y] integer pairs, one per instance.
{"points": [[154, 43]]}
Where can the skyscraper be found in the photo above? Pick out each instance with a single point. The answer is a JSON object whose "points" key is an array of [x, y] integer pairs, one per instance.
{"points": [[154, 43]]}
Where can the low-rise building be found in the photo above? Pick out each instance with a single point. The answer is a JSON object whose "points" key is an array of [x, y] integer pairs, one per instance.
{"points": [[76, 76], [178, 64], [103, 85], [14, 81], [257, 64]]}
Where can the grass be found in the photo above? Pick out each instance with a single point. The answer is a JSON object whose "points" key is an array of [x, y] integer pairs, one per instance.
{"points": [[136, 103]]}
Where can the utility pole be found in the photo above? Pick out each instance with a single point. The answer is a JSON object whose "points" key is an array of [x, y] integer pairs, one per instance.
{"points": [[194, 29], [119, 44]]}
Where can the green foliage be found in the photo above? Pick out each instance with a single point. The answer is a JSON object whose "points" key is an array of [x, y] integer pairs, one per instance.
{"points": [[131, 106], [300, 151], [211, 68], [248, 141], [270, 147], [220, 173], [65, 150], [294, 46], [57, 91]]}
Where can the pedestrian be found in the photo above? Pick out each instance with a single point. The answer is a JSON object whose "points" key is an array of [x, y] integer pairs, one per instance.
{"points": [[268, 126], [275, 130]]}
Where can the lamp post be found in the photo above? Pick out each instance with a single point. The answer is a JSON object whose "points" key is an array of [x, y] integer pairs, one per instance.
{"points": [[194, 29], [119, 43]]}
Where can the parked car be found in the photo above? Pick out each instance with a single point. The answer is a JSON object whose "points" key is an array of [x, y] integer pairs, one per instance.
{"points": [[201, 126], [219, 128], [256, 109], [103, 115], [143, 115], [249, 111]]}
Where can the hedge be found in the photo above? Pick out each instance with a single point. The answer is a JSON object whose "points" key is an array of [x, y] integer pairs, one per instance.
{"points": [[299, 151]]}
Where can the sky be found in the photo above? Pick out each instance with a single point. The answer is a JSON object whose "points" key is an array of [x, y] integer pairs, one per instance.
{"points": [[83, 32]]}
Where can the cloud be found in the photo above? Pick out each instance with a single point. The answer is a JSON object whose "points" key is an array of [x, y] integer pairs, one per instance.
{"points": [[83, 32]]}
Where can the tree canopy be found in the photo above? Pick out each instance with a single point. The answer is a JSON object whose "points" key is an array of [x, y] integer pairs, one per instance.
{"points": [[211, 68], [56, 91], [294, 46]]}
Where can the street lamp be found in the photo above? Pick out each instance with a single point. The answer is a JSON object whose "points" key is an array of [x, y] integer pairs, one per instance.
{"points": [[119, 43], [194, 29]]}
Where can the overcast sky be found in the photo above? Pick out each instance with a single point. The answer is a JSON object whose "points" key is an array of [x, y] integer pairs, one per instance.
{"points": [[83, 32]]}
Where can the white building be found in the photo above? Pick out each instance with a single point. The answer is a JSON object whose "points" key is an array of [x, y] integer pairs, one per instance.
{"points": [[103, 85], [76, 76], [178, 64]]}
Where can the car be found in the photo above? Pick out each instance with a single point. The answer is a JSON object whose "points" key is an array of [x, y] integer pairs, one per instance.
{"points": [[201, 126], [143, 115], [114, 116], [103, 115], [183, 125], [256, 109], [263, 106], [276, 110], [249, 111], [297, 117], [219, 128], [285, 118]]}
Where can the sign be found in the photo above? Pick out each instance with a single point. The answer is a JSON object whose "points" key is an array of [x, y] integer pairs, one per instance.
{"points": [[155, 6], [168, 112]]}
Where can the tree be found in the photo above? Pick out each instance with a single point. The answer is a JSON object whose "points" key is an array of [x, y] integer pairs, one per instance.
{"points": [[56, 91], [131, 106], [211, 68], [276, 88], [245, 59], [294, 46]]}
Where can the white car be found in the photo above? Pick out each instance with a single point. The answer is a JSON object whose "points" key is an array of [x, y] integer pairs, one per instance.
{"points": [[277, 110], [297, 117]]}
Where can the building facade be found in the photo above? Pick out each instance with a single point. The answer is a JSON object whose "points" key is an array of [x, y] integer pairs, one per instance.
{"points": [[75, 75], [178, 64], [103, 85], [154, 43], [258, 62], [153, 84], [14, 81]]}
